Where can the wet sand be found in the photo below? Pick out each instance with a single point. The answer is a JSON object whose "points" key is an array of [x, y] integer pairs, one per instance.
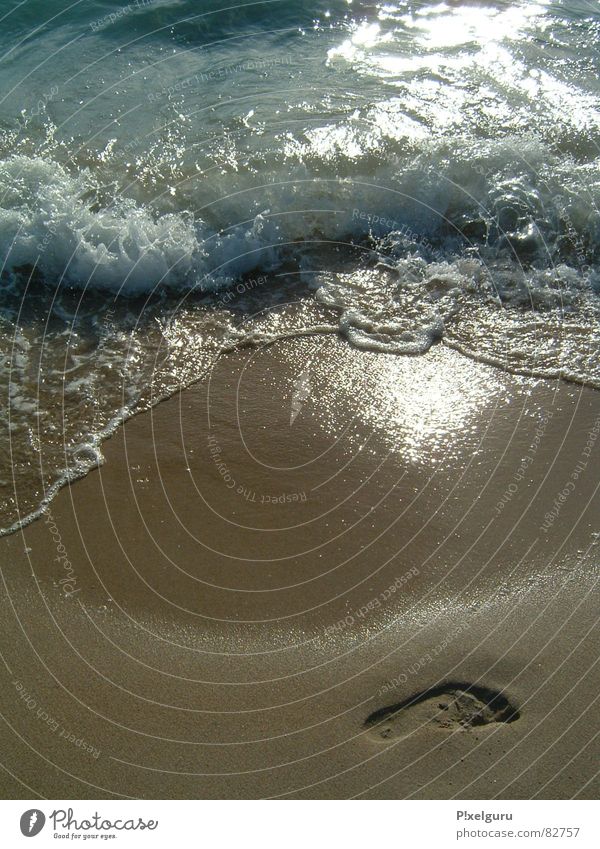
{"points": [[318, 573]]}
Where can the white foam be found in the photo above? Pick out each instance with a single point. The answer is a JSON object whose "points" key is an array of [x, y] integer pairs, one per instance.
{"points": [[48, 220]]}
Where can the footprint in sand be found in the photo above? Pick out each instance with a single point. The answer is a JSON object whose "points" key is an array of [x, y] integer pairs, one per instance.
{"points": [[449, 707]]}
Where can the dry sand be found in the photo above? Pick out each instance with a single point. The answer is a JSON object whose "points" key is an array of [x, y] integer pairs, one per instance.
{"points": [[318, 573]]}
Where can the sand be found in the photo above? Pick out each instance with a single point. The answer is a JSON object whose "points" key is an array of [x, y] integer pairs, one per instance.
{"points": [[318, 573]]}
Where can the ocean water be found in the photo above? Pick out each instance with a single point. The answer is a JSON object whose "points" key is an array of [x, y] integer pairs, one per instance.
{"points": [[179, 178]]}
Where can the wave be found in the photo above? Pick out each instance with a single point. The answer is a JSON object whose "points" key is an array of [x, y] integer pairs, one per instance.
{"points": [[49, 220], [57, 221]]}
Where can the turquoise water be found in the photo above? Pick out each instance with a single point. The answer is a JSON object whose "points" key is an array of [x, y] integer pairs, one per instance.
{"points": [[403, 173]]}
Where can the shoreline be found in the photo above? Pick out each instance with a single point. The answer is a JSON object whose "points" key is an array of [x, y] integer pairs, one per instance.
{"points": [[99, 439]]}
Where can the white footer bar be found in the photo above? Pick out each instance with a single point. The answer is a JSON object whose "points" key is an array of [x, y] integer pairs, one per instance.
{"points": [[292, 824]]}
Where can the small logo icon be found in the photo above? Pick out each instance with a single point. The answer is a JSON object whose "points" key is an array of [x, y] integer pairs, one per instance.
{"points": [[301, 391], [32, 822]]}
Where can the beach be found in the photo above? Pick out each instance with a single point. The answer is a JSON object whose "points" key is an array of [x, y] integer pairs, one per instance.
{"points": [[299, 461], [319, 572]]}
